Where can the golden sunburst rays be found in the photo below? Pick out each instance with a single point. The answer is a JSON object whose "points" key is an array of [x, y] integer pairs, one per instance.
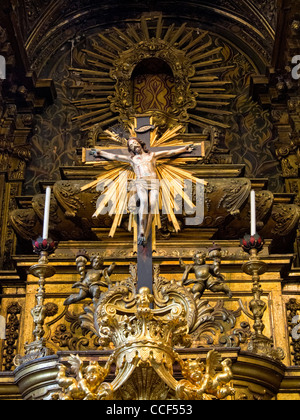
{"points": [[116, 185], [172, 182], [116, 191], [169, 138], [157, 140], [116, 138], [100, 71], [111, 173]]}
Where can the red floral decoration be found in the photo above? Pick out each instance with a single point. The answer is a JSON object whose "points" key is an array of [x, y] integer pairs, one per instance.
{"points": [[252, 242], [47, 245]]}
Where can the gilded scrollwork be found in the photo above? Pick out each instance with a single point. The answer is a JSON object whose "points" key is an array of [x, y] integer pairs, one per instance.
{"points": [[71, 336], [285, 218], [209, 326], [144, 340]]}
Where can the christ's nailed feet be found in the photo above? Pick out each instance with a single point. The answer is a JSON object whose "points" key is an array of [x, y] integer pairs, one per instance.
{"points": [[142, 240]]}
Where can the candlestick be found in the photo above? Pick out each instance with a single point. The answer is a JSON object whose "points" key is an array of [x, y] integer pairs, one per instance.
{"points": [[259, 343], [253, 214], [37, 349], [47, 213]]}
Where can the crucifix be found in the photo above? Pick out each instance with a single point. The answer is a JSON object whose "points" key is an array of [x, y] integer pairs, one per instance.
{"points": [[142, 157]]}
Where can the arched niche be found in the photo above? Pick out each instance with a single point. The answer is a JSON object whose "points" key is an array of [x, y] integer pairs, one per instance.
{"points": [[153, 86]]}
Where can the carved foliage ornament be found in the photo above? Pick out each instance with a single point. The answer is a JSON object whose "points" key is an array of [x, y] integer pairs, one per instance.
{"points": [[12, 335], [293, 318]]}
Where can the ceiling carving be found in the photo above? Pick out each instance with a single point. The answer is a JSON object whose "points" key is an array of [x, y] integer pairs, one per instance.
{"points": [[47, 25]]}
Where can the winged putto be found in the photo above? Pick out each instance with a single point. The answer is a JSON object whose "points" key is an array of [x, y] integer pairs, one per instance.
{"points": [[203, 383]]}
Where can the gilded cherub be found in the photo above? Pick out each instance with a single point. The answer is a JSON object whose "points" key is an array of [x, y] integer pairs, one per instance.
{"points": [[202, 383], [88, 384], [91, 280]]}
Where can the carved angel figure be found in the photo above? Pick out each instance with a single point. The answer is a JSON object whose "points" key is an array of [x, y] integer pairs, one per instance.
{"points": [[88, 384], [202, 383], [207, 276], [91, 280]]}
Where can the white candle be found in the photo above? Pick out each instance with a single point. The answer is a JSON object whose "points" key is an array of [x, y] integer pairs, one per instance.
{"points": [[47, 213], [253, 214], [2, 327]]}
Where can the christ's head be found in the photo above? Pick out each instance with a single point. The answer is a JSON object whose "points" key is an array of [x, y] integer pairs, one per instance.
{"points": [[136, 146]]}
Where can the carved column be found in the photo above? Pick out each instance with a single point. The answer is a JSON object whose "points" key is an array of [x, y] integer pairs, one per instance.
{"points": [[279, 91]]}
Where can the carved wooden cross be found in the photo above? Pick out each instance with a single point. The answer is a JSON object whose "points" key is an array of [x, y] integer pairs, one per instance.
{"points": [[144, 135], [143, 130]]}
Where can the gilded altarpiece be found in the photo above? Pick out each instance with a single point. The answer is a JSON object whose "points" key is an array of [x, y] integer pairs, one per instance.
{"points": [[205, 82]]}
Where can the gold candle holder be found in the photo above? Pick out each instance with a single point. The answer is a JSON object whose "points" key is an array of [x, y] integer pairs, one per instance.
{"points": [[42, 270], [259, 343], [255, 268]]}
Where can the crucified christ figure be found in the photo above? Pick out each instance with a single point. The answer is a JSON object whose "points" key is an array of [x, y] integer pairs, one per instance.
{"points": [[143, 164]]}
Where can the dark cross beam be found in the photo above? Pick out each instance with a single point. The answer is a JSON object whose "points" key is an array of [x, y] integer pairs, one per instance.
{"points": [[141, 122], [145, 253], [144, 257]]}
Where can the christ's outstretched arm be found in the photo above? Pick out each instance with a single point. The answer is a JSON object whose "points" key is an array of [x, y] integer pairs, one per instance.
{"points": [[171, 153], [111, 156]]}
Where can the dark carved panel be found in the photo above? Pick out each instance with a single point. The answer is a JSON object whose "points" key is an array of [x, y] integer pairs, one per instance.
{"points": [[293, 318], [12, 335]]}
